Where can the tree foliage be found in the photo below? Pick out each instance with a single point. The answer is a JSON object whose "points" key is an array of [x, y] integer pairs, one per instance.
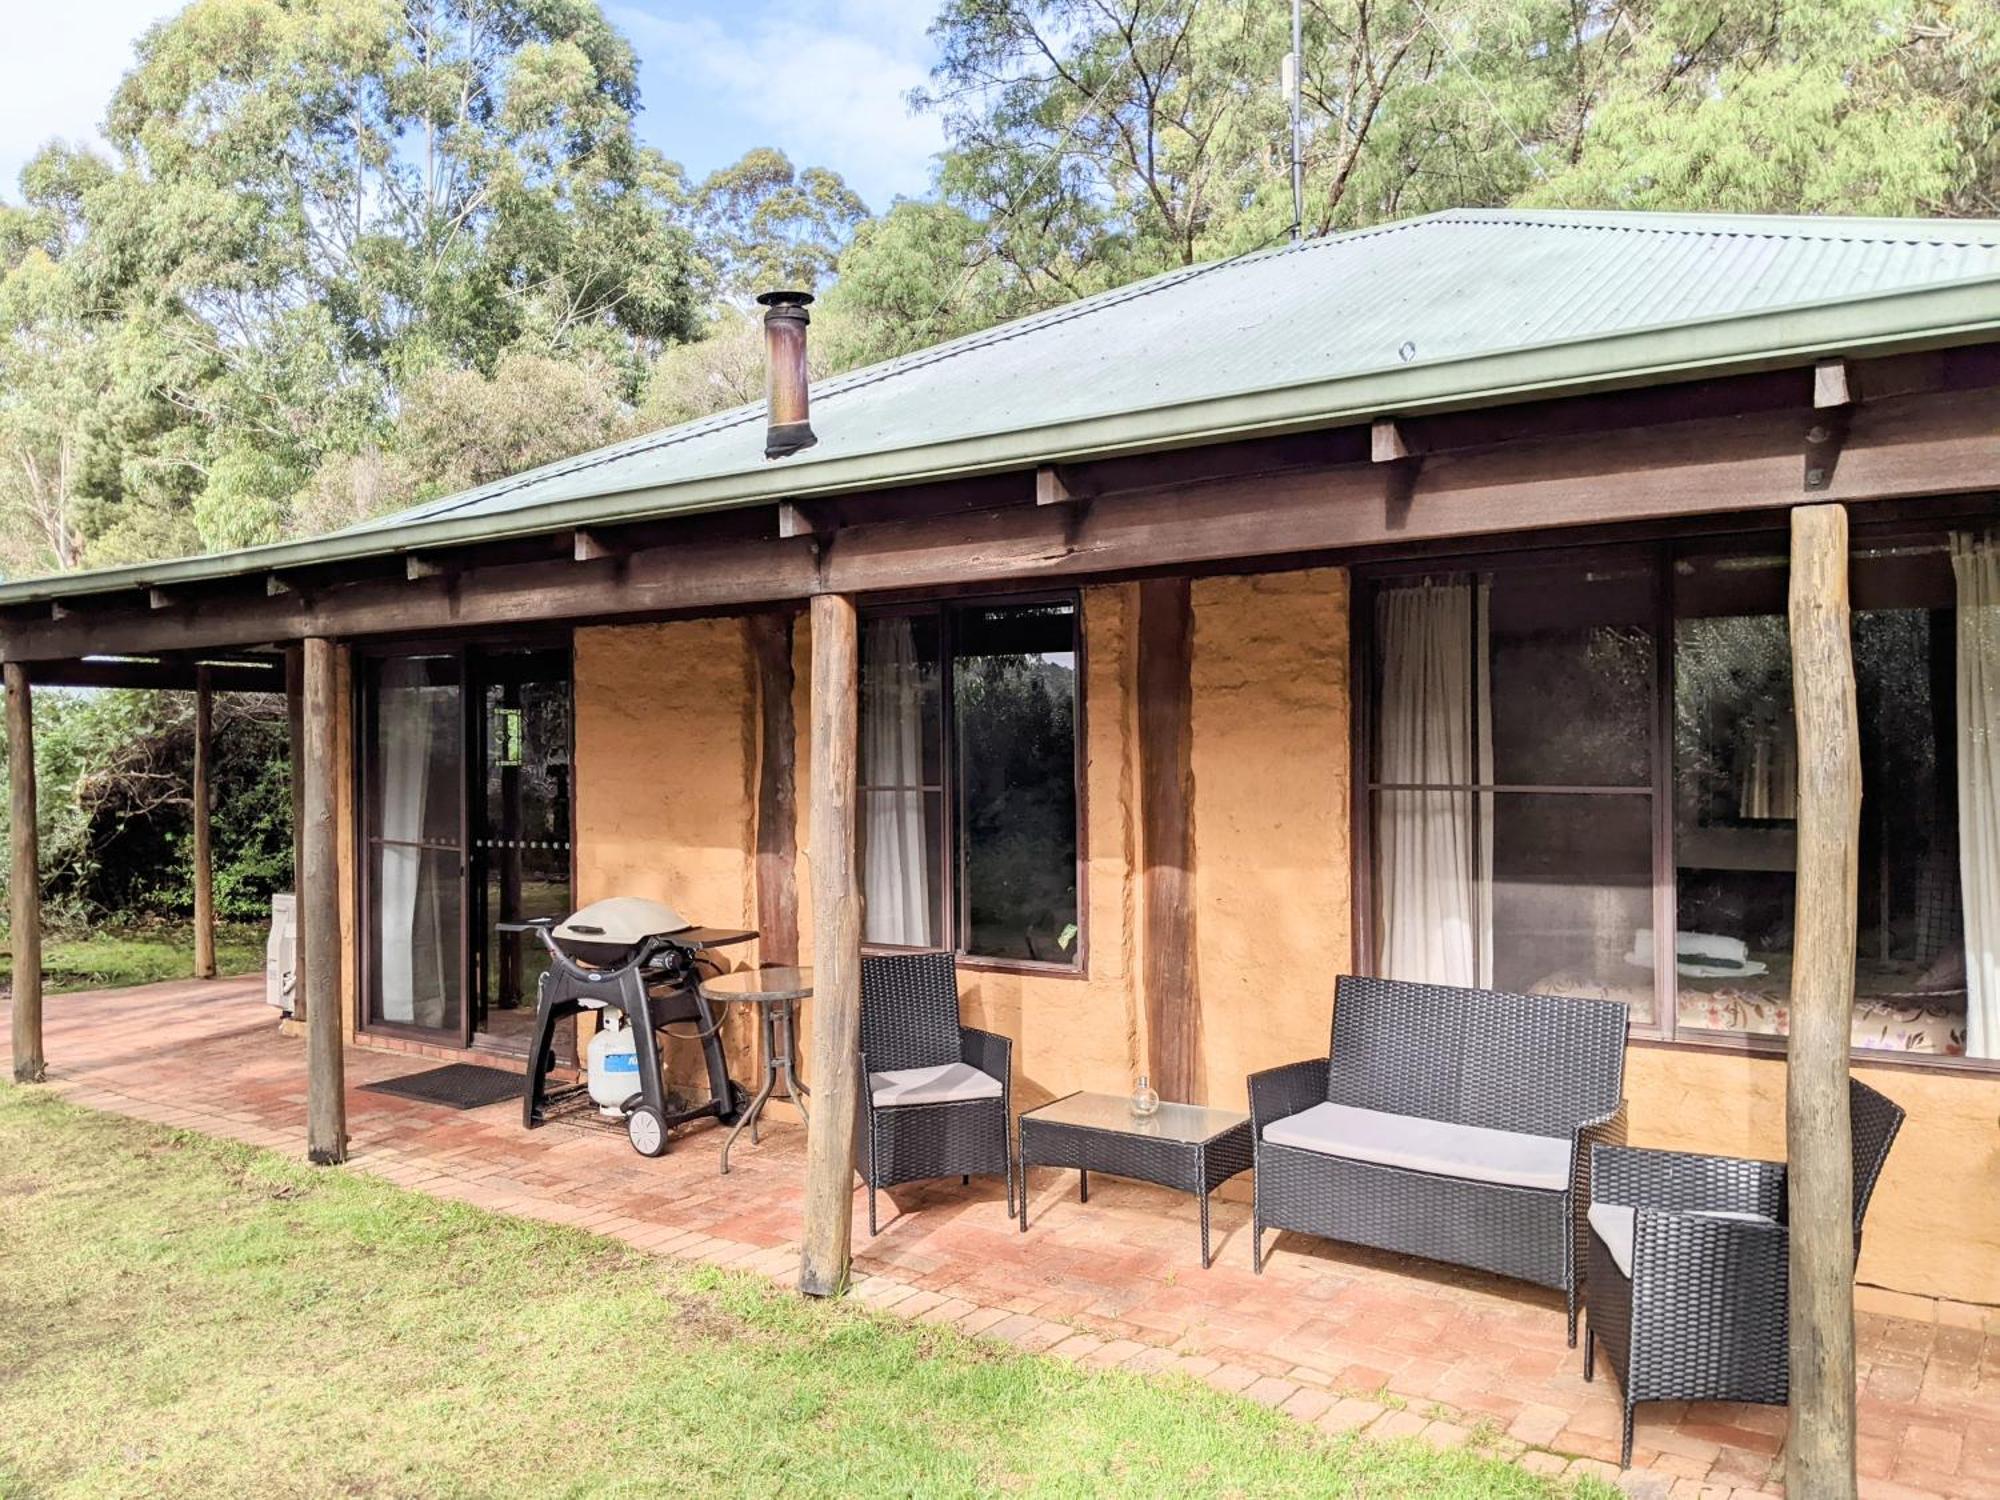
{"points": [[115, 817], [348, 253], [1091, 142]]}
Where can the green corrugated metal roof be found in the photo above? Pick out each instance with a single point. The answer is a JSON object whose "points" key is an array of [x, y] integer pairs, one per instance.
{"points": [[1457, 309]]}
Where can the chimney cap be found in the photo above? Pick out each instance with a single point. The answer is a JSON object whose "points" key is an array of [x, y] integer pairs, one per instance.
{"points": [[784, 297]]}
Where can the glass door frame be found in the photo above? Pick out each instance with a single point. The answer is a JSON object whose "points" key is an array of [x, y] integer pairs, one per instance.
{"points": [[362, 711], [477, 748]]}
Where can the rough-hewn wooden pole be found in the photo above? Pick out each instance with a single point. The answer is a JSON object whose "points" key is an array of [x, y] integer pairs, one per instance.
{"points": [[1166, 827], [1820, 1453], [836, 1018], [30, 1064], [319, 908], [204, 867], [295, 729], [777, 790]]}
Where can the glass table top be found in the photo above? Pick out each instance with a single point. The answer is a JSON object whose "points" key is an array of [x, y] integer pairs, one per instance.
{"points": [[760, 984], [1191, 1123]]}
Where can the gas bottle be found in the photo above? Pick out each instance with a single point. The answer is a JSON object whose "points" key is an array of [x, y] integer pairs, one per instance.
{"points": [[613, 1065]]}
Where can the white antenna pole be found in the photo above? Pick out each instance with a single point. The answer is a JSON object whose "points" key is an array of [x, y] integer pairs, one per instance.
{"points": [[1294, 64]]}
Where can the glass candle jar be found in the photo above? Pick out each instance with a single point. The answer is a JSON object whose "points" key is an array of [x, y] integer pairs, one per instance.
{"points": [[1145, 1100]]}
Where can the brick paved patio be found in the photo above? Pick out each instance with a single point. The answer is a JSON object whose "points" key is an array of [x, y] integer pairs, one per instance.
{"points": [[1338, 1337]]}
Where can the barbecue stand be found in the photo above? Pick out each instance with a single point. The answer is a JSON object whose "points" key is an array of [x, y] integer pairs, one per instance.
{"points": [[637, 958]]}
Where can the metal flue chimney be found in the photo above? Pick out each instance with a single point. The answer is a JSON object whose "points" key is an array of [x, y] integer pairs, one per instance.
{"points": [[787, 398]]}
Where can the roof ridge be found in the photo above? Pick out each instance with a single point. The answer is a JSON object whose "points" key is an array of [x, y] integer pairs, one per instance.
{"points": [[1720, 225]]}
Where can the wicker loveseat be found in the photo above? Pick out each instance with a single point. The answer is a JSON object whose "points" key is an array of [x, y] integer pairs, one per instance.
{"points": [[1689, 1266], [1448, 1123], [938, 1098]]}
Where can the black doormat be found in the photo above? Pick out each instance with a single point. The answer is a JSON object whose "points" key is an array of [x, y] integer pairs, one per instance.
{"points": [[455, 1085]]}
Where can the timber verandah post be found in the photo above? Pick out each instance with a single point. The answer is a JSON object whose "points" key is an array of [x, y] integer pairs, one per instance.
{"points": [[1166, 821], [319, 910], [30, 1065], [836, 1025], [1820, 1453], [204, 865]]}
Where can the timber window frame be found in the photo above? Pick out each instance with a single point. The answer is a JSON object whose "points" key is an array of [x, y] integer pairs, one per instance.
{"points": [[1915, 528], [948, 854]]}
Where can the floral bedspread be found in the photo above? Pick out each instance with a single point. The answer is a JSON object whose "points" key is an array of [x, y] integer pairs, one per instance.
{"points": [[1887, 1016]]}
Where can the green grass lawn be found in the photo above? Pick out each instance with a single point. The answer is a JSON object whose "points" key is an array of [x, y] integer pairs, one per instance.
{"points": [[183, 1317], [117, 957]]}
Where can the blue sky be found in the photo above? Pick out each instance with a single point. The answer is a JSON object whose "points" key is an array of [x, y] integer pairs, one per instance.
{"points": [[838, 72]]}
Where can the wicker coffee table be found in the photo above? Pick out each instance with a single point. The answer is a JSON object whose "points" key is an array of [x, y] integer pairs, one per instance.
{"points": [[1182, 1146]]}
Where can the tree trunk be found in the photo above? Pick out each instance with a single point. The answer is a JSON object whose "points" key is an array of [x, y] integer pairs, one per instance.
{"points": [[836, 1024], [1819, 1140], [30, 1065]]}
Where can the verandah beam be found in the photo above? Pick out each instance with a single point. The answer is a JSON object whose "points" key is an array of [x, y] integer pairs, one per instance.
{"points": [[836, 1015], [1820, 1455], [1898, 447], [319, 909], [204, 865], [30, 1063]]}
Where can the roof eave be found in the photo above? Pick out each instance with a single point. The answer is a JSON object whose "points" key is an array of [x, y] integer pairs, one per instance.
{"points": [[1936, 316]]}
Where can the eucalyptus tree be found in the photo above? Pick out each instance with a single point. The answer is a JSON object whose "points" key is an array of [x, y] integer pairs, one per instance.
{"points": [[319, 201], [765, 223], [1819, 106]]}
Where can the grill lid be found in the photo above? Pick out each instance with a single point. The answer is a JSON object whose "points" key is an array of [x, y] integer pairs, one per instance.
{"points": [[625, 920]]}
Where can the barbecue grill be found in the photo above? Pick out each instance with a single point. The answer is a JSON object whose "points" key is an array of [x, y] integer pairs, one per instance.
{"points": [[641, 959]]}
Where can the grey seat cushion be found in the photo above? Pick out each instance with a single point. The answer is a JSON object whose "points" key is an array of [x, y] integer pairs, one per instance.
{"points": [[949, 1083], [1419, 1145], [1613, 1223]]}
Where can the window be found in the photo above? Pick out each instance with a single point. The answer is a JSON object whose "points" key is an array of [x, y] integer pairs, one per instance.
{"points": [[969, 780], [1582, 779], [1512, 785], [1735, 798]]}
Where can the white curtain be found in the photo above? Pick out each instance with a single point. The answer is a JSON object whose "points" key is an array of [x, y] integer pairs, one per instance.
{"points": [[411, 965], [1435, 848], [1975, 563], [895, 878]]}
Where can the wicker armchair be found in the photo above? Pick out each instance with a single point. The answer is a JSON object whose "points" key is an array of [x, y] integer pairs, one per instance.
{"points": [[1449, 1123], [938, 1095], [1689, 1265]]}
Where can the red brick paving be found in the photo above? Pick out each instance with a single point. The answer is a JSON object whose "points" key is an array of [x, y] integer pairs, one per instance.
{"points": [[1343, 1338]]}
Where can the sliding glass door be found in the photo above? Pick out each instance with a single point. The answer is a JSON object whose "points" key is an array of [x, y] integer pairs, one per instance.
{"points": [[520, 841], [465, 823], [414, 832]]}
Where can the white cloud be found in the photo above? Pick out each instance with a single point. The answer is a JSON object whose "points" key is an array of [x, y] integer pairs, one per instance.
{"points": [[828, 82], [58, 69]]}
